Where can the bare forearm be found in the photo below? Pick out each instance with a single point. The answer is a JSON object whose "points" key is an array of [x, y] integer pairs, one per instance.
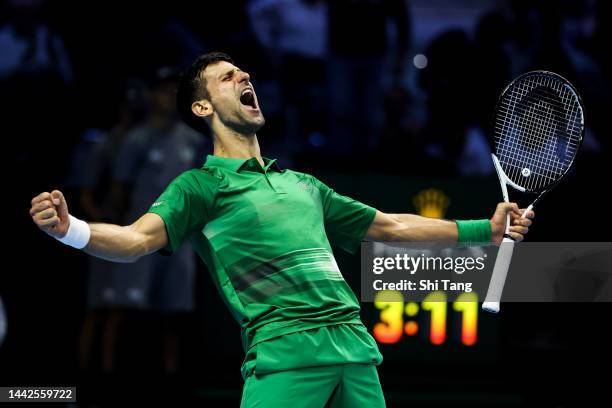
{"points": [[116, 243], [107, 241], [410, 227]]}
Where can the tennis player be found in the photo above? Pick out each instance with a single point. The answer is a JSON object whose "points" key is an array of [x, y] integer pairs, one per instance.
{"points": [[265, 234]]}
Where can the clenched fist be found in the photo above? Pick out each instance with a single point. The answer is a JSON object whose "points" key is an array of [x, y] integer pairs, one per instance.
{"points": [[50, 212]]}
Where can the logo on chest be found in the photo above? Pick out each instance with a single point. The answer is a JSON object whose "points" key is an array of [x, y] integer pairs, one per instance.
{"points": [[306, 186]]}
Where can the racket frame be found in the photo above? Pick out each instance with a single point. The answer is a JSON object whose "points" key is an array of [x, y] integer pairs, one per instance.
{"points": [[502, 262]]}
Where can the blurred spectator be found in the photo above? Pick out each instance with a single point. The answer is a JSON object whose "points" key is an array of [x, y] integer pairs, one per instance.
{"points": [[226, 26], [290, 27], [96, 198], [449, 82], [401, 141], [124, 173], [475, 158], [578, 27], [91, 178], [29, 46], [38, 135], [358, 44], [563, 39], [152, 155], [293, 32], [524, 32], [600, 48], [492, 65], [35, 74]]}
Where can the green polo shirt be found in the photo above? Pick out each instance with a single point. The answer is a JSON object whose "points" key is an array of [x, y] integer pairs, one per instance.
{"points": [[265, 235]]}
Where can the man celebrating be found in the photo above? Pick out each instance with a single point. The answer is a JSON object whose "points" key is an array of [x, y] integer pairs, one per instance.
{"points": [[265, 235]]}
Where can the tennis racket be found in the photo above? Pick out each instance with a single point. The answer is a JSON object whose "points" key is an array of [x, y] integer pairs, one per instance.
{"points": [[538, 128]]}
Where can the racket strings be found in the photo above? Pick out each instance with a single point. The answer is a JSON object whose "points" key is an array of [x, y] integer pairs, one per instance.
{"points": [[560, 111], [571, 126], [535, 152], [537, 130]]}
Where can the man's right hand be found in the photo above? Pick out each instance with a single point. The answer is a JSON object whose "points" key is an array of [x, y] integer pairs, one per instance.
{"points": [[50, 213], [111, 242]]}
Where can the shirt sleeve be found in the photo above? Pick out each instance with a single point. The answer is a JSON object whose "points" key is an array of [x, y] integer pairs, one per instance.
{"points": [[346, 220], [184, 207]]}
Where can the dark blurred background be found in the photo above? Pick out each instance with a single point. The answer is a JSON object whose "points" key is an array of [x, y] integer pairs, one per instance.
{"points": [[387, 101]]}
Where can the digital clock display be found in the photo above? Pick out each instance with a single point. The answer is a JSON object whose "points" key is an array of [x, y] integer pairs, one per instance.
{"points": [[396, 317]]}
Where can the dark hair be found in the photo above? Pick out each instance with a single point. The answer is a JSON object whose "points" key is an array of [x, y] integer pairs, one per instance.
{"points": [[192, 87]]}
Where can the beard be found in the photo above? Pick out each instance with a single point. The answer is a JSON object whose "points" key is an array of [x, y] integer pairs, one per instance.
{"points": [[248, 127], [242, 124]]}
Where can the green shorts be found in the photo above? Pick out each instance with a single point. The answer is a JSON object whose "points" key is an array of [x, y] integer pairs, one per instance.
{"points": [[330, 366], [334, 386]]}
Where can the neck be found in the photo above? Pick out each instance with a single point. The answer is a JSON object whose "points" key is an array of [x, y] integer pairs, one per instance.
{"points": [[231, 144]]}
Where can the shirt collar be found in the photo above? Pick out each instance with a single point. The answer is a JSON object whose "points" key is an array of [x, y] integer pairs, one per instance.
{"points": [[236, 165]]}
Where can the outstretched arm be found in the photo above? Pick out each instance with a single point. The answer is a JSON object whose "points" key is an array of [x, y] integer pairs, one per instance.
{"points": [[107, 241], [410, 227]]}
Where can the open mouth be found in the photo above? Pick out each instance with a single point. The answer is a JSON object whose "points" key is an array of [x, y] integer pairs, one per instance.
{"points": [[247, 98]]}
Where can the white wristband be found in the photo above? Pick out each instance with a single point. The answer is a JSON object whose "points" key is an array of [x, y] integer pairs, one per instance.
{"points": [[78, 233]]}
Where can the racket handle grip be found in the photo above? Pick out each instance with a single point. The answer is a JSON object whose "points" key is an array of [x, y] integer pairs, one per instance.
{"points": [[498, 278]]}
